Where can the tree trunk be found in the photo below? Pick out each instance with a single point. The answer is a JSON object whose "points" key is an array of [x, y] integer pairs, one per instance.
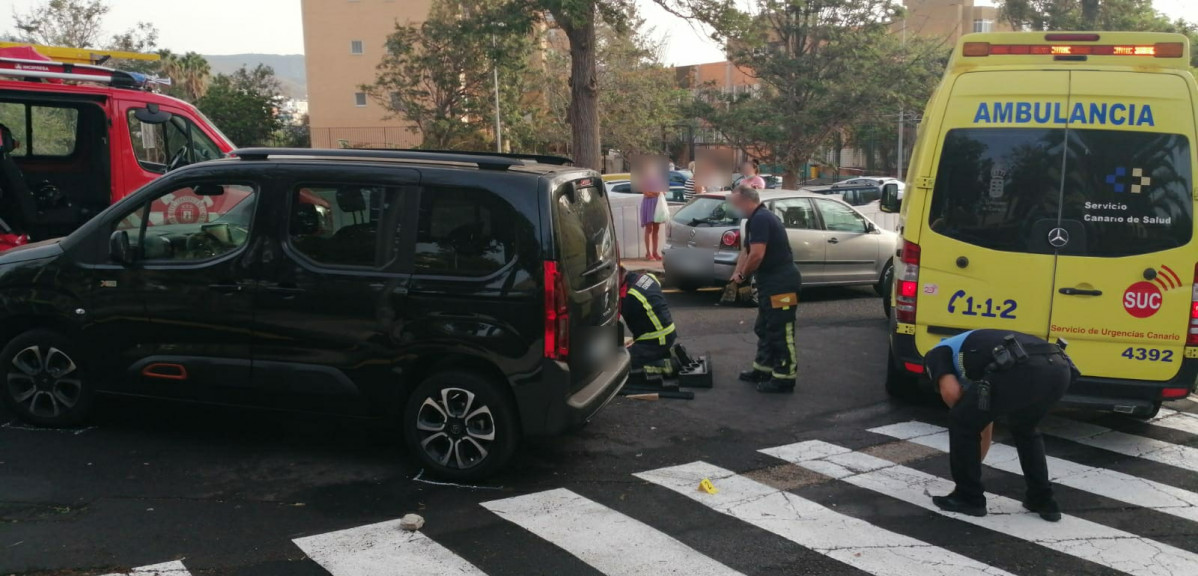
{"points": [[1090, 14], [584, 91]]}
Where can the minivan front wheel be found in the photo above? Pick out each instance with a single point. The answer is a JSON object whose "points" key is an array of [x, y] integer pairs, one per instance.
{"points": [[43, 381], [460, 426]]}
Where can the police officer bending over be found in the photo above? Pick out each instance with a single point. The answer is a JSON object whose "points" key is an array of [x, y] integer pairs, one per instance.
{"points": [[986, 374], [768, 255], [647, 316]]}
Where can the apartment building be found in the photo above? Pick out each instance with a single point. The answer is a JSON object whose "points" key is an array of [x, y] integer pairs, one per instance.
{"points": [[343, 43]]}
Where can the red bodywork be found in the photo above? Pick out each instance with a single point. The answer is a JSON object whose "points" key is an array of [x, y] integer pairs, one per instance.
{"points": [[126, 173]]}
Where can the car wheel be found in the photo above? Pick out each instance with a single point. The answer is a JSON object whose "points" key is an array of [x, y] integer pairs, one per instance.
{"points": [[44, 381], [886, 280], [900, 383], [460, 426]]}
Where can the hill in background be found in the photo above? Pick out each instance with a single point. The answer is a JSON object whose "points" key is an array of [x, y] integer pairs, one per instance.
{"points": [[289, 69]]}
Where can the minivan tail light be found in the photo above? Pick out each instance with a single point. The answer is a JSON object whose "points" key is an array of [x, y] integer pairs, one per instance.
{"points": [[557, 314], [1192, 334], [731, 239], [907, 297]]}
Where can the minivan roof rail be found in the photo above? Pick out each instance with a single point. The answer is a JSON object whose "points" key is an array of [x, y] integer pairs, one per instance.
{"points": [[484, 160]]}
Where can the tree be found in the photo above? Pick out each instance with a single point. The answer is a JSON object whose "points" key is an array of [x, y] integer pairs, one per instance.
{"points": [[245, 104], [823, 65], [1138, 15], [439, 74], [79, 24]]}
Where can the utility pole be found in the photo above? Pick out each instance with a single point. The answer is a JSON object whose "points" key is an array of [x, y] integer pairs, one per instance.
{"points": [[495, 70], [900, 118]]}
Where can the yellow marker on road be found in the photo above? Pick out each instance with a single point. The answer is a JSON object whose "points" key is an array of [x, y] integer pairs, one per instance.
{"points": [[707, 486]]}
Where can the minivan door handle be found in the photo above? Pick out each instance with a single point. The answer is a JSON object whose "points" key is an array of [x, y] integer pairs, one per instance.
{"points": [[833, 241], [1079, 292]]}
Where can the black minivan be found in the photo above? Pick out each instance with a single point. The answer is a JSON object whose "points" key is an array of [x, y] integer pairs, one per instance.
{"points": [[473, 298]]}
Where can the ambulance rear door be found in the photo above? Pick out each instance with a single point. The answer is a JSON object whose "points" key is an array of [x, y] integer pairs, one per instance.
{"points": [[996, 181], [1125, 242]]}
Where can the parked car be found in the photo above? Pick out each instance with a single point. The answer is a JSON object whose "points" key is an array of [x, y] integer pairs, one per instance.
{"points": [[470, 298], [878, 181], [833, 244], [857, 194]]}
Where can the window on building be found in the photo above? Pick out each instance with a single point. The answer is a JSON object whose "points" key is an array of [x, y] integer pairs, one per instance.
{"points": [[360, 99], [981, 25], [355, 47]]}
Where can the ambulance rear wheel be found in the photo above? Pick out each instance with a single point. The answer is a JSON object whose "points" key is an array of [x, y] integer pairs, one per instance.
{"points": [[900, 383]]}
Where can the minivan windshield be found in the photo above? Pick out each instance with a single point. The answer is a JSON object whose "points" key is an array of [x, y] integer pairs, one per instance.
{"points": [[1123, 193]]}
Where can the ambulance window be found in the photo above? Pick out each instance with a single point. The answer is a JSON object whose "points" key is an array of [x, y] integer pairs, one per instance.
{"points": [[994, 184], [1130, 191]]}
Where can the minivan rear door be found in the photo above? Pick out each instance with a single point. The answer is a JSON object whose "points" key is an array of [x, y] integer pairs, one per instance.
{"points": [[996, 193], [1126, 261], [587, 262]]}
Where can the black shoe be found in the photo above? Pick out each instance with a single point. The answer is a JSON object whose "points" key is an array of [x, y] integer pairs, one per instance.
{"points": [[777, 386], [754, 376], [951, 503], [1048, 509]]}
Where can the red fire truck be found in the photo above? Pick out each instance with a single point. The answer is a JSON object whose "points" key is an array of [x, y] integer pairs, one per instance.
{"points": [[78, 136]]}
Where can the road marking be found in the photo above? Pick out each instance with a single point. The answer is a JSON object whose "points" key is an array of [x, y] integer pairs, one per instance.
{"points": [[852, 541], [610, 542], [1073, 536], [1101, 481], [175, 568], [1183, 421], [1122, 443], [383, 549]]}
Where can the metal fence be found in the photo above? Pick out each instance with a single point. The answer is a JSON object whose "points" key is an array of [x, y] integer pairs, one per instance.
{"points": [[370, 137]]}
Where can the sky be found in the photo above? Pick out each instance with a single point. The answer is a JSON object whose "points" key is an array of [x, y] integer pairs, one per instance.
{"points": [[275, 26]]}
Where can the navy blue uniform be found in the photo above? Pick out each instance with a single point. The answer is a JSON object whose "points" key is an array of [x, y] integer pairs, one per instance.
{"points": [[1023, 394], [643, 306], [778, 283]]}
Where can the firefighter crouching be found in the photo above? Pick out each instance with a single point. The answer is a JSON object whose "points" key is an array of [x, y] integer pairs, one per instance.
{"points": [[645, 312]]}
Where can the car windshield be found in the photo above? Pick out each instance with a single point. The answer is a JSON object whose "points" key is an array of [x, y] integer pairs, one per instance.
{"points": [[706, 210]]}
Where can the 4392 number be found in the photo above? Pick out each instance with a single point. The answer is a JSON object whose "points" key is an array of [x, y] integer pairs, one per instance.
{"points": [[1149, 354]]}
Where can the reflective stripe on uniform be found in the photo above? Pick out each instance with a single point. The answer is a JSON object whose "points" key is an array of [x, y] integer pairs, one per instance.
{"points": [[661, 331], [761, 367], [790, 348]]}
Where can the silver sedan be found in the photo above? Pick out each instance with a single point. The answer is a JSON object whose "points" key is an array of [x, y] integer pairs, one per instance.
{"points": [[833, 244]]}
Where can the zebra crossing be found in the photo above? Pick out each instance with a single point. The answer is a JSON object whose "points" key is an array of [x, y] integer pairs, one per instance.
{"points": [[613, 538]]}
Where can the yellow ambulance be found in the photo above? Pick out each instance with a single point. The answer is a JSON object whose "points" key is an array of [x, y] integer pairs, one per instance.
{"points": [[1052, 191]]}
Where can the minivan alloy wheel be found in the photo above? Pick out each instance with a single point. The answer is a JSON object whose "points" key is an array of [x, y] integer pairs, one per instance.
{"points": [[457, 429], [46, 383]]}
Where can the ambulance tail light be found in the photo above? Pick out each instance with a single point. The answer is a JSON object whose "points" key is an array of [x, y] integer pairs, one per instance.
{"points": [[731, 239], [557, 314], [1192, 334], [1174, 393], [906, 299], [1158, 50]]}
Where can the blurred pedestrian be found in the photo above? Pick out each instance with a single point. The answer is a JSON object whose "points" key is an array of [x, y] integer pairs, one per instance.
{"points": [[767, 254], [749, 175], [652, 187], [983, 375]]}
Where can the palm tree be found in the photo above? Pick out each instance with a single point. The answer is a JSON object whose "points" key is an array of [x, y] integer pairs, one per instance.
{"points": [[194, 73]]}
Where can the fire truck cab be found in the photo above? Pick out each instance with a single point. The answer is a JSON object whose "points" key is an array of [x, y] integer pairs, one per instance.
{"points": [[78, 137]]}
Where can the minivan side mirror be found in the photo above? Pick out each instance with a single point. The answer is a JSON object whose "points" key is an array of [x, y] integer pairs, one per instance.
{"points": [[890, 200], [119, 248]]}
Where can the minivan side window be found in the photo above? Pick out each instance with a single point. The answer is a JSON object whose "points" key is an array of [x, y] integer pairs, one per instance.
{"points": [[177, 141], [464, 232], [350, 225], [51, 130], [193, 223]]}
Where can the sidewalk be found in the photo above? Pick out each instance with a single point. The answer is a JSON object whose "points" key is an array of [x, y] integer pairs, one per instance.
{"points": [[639, 265]]}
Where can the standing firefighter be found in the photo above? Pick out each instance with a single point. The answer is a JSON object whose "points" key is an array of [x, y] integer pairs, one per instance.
{"points": [[644, 309], [768, 255], [987, 374]]}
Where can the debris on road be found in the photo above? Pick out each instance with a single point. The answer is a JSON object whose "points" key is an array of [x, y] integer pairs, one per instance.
{"points": [[411, 522]]}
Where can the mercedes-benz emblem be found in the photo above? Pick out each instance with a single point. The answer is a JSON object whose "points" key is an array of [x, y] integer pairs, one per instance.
{"points": [[1058, 237]]}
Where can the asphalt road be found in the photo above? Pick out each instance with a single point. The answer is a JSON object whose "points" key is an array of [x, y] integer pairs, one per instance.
{"points": [[220, 491]]}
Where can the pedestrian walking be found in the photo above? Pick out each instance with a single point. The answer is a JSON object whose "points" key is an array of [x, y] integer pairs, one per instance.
{"points": [[767, 254], [984, 375], [749, 175], [653, 208]]}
